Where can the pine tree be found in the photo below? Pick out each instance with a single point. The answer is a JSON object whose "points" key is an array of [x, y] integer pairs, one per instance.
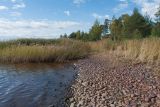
{"points": [[78, 35], [156, 28], [96, 31], [116, 29], [72, 35], [139, 23], [158, 15]]}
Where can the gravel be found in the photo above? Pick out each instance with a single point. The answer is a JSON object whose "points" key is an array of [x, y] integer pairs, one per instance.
{"points": [[103, 81]]}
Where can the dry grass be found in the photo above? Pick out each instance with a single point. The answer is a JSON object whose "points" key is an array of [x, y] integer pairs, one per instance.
{"points": [[63, 51], [103, 45], [143, 49]]}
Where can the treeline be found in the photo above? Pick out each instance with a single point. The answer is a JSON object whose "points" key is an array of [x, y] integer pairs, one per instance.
{"points": [[135, 26], [94, 33], [125, 27], [29, 42]]}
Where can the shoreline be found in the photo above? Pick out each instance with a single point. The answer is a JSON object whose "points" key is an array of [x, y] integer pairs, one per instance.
{"points": [[106, 81]]}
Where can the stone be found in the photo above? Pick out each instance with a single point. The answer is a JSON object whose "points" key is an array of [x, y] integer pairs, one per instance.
{"points": [[158, 95], [146, 99], [145, 105], [112, 105], [120, 86], [80, 81], [85, 84], [124, 92], [71, 99], [80, 103], [72, 104], [158, 101]]}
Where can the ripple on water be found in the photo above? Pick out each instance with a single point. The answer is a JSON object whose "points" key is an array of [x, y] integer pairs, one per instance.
{"points": [[33, 85]]}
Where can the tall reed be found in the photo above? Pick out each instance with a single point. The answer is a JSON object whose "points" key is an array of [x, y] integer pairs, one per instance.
{"points": [[62, 51], [147, 49]]}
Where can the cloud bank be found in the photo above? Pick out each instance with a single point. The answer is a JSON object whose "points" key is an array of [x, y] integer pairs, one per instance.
{"points": [[78, 2], [97, 16], [148, 6], [36, 29], [3, 8]]}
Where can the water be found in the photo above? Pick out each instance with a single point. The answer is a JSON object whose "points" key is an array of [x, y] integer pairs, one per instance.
{"points": [[34, 85]]}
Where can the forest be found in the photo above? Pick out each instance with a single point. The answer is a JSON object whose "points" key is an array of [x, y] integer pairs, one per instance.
{"points": [[134, 26]]}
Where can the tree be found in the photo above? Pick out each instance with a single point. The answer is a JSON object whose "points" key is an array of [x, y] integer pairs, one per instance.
{"points": [[137, 34], [134, 26], [116, 29], [119, 27], [156, 28], [78, 35], [65, 35], [72, 35], [86, 36], [158, 15], [95, 32], [124, 19], [139, 23], [61, 36]]}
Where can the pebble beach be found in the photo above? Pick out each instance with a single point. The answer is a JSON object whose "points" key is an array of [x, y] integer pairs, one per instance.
{"points": [[103, 81]]}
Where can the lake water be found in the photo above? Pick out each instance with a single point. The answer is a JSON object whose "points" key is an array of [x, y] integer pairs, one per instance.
{"points": [[34, 85]]}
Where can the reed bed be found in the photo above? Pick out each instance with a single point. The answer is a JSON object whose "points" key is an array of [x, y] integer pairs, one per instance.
{"points": [[57, 51], [147, 49], [61, 50]]}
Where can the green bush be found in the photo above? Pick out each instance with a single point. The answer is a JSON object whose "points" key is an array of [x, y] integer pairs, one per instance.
{"points": [[156, 31]]}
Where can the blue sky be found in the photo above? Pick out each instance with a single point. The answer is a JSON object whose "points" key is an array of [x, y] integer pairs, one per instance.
{"points": [[50, 18]]}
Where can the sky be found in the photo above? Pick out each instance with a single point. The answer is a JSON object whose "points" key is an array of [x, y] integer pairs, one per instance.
{"points": [[51, 18]]}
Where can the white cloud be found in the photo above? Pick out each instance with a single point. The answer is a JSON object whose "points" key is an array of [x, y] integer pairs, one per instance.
{"points": [[17, 6], [16, 14], [78, 2], [67, 13], [148, 6], [122, 5], [13, 1], [107, 16], [33, 28], [3, 8], [97, 16], [122, 0]]}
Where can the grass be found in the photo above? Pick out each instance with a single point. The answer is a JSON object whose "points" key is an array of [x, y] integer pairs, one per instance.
{"points": [[48, 51], [146, 50], [61, 50]]}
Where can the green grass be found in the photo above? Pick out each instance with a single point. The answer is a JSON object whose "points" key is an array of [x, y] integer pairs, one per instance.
{"points": [[22, 51]]}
